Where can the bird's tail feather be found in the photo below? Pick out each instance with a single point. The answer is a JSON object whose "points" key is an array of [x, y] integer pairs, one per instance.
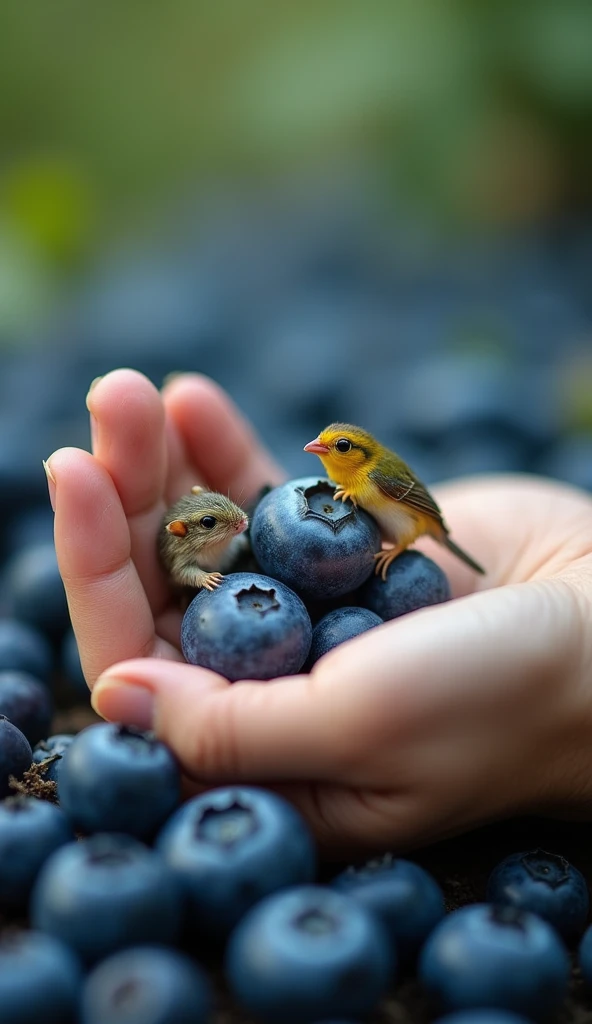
{"points": [[454, 548]]}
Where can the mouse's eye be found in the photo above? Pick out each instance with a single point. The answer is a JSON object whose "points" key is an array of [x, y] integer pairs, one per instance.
{"points": [[343, 445], [208, 522]]}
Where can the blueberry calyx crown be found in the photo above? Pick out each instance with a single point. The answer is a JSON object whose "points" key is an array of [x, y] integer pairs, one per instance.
{"points": [[228, 824], [315, 922], [550, 868], [373, 867], [255, 599], [135, 738], [318, 503], [126, 994], [109, 858], [507, 915]]}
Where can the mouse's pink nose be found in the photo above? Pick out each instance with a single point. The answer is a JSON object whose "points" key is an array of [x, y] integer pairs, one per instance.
{"points": [[242, 526]]}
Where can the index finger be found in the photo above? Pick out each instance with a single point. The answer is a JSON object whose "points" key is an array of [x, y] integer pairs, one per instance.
{"points": [[109, 609]]}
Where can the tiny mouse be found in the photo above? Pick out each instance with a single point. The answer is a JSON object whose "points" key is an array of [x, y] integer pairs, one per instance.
{"points": [[195, 533]]}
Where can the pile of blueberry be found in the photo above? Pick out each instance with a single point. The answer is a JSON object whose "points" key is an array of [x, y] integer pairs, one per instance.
{"points": [[314, 587], [134, 900], [120, 902]]}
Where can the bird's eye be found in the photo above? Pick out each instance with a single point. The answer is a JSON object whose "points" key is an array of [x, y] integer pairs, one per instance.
{"points": [[343, 445], [208, 522]]}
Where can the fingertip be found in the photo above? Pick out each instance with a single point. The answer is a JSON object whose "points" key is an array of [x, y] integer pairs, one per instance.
{"points": [[220, 730], [130, 705], [123, 377], [64, 458]]}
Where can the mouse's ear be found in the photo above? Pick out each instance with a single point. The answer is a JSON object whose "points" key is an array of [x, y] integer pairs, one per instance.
{"points": [[197, 489], [178, 528]]}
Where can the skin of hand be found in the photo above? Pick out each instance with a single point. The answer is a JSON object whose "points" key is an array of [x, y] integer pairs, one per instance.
{"points": [[474, 710], [377, 479]]}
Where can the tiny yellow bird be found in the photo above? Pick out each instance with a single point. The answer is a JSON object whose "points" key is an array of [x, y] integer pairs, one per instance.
{"points": [[377, 480]]}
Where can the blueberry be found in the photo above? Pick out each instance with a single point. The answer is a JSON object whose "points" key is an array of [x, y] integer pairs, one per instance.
{"points": [[34, 589], [147, 985], [318, 609], [403, 895], [464, 391], [486, 956], [30, 527], [320, 547], [308, 953], [71, 667], [40, 979], [482, 1017], [30, 830], [27, 703], [22, 485], [52, 747], [118, 779], [149, 306], [570, 460], [338, 626], [547, 885], [105, 893], [15, 754], [585, 957], [413, 581], [250, 627], [232, 846], [483, 451], [24, 649]]}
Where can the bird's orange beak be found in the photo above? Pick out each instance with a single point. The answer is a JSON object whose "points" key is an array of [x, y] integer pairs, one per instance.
{"points": [[317, 447]]}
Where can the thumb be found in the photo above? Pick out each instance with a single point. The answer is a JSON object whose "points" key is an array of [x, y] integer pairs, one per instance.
{"points": [[247, 730]]}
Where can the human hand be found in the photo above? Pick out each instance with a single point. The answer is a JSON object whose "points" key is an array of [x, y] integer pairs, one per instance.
{"points": [[421, 728]]}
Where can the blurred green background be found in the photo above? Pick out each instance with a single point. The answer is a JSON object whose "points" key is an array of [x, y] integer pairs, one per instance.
{"points": [[468, 114]]}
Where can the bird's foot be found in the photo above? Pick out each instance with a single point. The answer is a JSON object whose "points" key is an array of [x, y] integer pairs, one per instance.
{"points": [[384, 558], [344, 495]]}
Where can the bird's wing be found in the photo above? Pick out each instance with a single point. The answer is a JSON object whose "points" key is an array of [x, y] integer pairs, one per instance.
{"points": [[408, 489]]}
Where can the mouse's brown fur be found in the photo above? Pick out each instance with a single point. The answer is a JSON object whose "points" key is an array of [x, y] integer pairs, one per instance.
{"points": [[190, 546]]}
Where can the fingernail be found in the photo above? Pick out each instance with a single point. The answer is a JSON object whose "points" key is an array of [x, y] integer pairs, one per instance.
{"points": [[120, 701], [51, 483], [93, 385]]}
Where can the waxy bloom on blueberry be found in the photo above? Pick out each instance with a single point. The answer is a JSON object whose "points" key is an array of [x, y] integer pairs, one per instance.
{"points": [[147, 985], [403, 895], [40, 979], [309, 953], [321, 547], [337, 626], [105, 893], [483, 955], [547, 885], [232, 846], [118, 779], [250, 627], [15, 754], [412, 581]]}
